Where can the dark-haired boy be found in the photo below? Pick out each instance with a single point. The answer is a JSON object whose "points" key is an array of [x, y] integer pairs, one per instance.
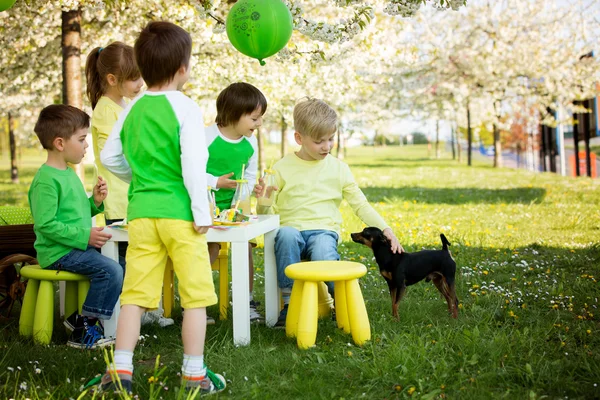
{"points": [[62, 215], [232, 148], [158, 146]]}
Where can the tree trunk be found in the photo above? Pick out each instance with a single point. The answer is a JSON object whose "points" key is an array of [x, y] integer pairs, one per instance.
{"points": [[586, 138], [71, 66], [497, 148], [283, 136], [261, 151], [469, 136], [453, 142], [437, 139], [14, 171], [340, 144]]}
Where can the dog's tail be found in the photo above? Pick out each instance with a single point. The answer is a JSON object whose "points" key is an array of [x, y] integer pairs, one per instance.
{"points": [[445, 242]]}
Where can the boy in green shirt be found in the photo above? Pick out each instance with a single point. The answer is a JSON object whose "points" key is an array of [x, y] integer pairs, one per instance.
{"points": [[233, 148], [158, 145], [62, 215]]}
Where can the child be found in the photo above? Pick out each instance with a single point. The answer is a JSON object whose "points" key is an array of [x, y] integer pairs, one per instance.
{"points": [[231, 147], [62, 215], [158, 145], [311, 185], [112, 77]]}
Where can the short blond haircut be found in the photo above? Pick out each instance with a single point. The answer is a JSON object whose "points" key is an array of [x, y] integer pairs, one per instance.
{"points": [[314, 118]]}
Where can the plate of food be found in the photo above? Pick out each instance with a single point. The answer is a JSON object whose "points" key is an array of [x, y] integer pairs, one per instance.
{"points": [[231, 217]]}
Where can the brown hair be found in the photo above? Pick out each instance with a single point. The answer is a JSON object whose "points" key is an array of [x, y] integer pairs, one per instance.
{"points": [[160, 50], [314, 118], [117, 59], [59, 120], [236, 100]]}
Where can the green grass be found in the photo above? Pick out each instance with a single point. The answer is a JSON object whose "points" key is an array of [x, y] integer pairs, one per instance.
{"points": [[527, 251]]}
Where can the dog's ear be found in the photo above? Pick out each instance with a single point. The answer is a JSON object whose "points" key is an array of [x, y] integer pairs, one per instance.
{"points": [[383, 238]]}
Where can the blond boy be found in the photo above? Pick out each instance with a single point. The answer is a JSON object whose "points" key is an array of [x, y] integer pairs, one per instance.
{"points": [[311, 185]]}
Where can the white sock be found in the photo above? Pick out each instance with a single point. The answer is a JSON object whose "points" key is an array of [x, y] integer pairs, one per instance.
{"points": [[124, 364], [286, 293], [193, 366]]}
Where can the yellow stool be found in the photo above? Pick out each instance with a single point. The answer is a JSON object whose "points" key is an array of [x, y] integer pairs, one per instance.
{"points": [[351, 313], [37, 311], [221, 264]]}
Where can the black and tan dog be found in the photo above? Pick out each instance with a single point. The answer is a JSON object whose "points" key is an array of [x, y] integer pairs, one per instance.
{"points": [[405, 269]]}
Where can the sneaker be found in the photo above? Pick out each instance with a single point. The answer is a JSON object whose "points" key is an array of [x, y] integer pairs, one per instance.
{"points": [[88, 336], [71, 322], [211, 384], [108, 385], [254, 314], [282, 317], [209, 320]]}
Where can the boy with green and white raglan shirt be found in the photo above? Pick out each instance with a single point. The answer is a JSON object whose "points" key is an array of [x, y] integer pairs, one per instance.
{"points": [[231, 149], [158, 144]]}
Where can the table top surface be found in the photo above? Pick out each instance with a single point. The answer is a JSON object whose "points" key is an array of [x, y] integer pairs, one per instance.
{"points": [[243, 233]]}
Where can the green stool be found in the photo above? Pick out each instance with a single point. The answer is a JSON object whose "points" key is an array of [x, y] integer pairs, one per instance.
{"points": [[37, 312]]}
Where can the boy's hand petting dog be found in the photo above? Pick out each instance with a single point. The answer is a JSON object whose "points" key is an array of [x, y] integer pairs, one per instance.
{"points": [[200, 229], [98, 238], [100, 191], [225, 183], [394, 243]]}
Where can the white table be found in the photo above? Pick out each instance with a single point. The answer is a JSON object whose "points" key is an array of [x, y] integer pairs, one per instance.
{"points": [[238, 237]]}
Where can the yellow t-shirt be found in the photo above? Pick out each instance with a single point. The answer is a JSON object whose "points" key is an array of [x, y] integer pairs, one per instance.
{"points": [[310, 194], [104, 117]]}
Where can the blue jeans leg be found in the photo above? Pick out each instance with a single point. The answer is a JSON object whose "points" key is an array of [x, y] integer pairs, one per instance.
{"points": [[289, 246], [321, 245], [106, 279]]}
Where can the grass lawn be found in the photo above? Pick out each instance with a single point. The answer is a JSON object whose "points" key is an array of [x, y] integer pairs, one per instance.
{"points": [[527, 251]]}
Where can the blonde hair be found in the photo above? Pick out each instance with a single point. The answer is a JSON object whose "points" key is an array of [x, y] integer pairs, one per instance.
{"points": [[314, 118]]}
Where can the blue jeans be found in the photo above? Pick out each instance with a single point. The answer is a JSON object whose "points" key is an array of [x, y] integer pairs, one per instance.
{"points": [[106, 279], [292, 246]]}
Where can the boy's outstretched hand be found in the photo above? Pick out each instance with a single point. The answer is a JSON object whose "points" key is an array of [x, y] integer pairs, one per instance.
{"points": [[98, 238], [394, 243], [100, 191], [224, 182], [200, 229]]}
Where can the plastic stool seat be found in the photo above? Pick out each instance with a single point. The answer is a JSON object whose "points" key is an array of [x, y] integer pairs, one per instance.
{"points": [[326, 270], [36, 272]]}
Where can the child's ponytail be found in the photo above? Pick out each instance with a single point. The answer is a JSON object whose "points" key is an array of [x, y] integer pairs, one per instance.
{"points": [[117, 59], [94, 89]]}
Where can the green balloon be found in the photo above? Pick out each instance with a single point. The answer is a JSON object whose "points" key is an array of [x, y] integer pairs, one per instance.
{"points": [[259, 28], [6, 4]]}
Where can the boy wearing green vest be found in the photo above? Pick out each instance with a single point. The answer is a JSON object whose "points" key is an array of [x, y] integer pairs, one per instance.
{"points": [[158, 145], [231, 149]]}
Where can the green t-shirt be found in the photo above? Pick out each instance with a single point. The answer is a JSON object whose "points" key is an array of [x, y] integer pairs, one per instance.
{"points": [[62, 213], [226, 156]]}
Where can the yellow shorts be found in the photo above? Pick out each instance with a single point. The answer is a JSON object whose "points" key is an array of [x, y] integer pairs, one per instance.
{"points": [[151, 241]]}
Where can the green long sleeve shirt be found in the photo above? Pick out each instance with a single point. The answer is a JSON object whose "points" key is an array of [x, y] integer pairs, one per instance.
{"points": [[62, 213]]}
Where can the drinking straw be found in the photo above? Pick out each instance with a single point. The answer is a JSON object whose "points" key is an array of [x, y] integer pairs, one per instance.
{"points": [[243, 167]]}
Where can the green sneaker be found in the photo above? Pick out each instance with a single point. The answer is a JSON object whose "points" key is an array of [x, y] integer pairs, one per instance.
{"points": [[212, 383]]}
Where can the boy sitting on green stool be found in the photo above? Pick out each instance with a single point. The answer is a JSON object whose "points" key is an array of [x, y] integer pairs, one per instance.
{"points": [[62, 216]]}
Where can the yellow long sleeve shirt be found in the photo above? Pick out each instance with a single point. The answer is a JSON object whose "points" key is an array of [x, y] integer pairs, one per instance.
{"points": [[310, 194], [105, 115]]}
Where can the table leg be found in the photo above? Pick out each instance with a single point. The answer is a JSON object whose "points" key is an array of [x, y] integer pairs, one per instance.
{"points": [[272, 306], [240, 293], [111, 250]]}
